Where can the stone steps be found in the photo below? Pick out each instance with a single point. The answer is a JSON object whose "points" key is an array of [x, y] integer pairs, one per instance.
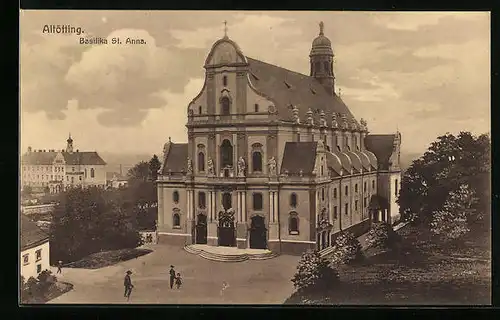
{"points": [[213, 256]]}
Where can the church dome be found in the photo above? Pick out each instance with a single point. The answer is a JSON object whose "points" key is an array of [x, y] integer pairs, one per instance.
{"points": [[321, 44]]}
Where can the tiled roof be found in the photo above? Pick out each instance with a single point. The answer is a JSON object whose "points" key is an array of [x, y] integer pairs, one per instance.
{"points": [[31, 234], [84, 158], [176, 158], [382, 146], [38, 158], [288, 88], [75, 158], [299, 156]]}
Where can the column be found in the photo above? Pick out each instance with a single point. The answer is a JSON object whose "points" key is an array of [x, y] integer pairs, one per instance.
{"points": [[244, 205], [238, 211], [188, 204], [209, 206], [271, 206], [379, 215], [214, 211], [275, 206]]}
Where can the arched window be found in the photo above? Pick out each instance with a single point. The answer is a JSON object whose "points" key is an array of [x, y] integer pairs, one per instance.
{"points": [[200, 110], [293, 224], [364, 187], [92, 172], [346, 190], [257, 201], [326, 66], [175, 196], [201, 161], [176, 220], [335, 193], [257, 161], [346, 208], [202, 200], [225, 106], [256, 107], [396, 188], [226, 150], [317, 67], [323, 194], [224, 81], [356, 188], [226, 200], [293, 200], [373, 185]]}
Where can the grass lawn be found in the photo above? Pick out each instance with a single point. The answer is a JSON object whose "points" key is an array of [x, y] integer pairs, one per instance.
{"points": [[108, 258], [426, 271], [54, 291]]}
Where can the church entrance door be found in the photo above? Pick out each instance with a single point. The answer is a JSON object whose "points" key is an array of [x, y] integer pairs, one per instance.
{"points": [[258, 233], [226, 230], [201, 229]]}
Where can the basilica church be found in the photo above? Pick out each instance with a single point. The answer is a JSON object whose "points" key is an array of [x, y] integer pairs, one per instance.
{"points": [[274, 160]]}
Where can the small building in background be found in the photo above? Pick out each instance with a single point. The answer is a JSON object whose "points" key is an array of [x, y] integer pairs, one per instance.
{"points": [[35, 249]]}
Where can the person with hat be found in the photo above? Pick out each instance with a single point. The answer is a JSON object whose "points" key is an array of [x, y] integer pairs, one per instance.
{"points": [[127, 282], [172, 277]]}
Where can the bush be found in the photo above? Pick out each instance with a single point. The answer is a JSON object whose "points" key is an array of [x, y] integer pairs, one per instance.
{"points": [[314, 273], [383, 236], [346, 249]]}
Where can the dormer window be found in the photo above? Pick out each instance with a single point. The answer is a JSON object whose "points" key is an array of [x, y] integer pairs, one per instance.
{"points": [[200, 110], [224, 81], [256, 107]]}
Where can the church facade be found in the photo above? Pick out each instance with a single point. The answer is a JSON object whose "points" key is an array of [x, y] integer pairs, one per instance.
{"points": [[274, 160]]}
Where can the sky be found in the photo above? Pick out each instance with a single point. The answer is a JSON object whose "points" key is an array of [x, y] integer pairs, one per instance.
{"points": [[422, 73]]}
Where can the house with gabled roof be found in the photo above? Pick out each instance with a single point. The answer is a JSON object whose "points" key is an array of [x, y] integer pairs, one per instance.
{"points": [[34, 249], [274, 159]]}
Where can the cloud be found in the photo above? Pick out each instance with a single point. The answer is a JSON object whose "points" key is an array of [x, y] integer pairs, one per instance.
{"points": [[153, 131]]}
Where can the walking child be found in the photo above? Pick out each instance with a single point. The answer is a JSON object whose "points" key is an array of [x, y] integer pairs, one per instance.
{"points": [[178, 281]]}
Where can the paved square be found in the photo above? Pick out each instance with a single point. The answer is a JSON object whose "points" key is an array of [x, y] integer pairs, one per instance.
{"points": [[250, 282]]}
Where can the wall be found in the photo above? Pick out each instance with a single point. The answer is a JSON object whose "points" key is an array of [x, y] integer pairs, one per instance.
{"points": [[302, 209], [29, 270], [166, 207], [43, 208]]}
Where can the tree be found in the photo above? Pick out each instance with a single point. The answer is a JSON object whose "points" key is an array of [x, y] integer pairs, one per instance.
{"points": [[154, 166], [383, 236], [142, 192], [449, 162], [346, 249], [139, 172], [91, 220], [451, 222], [314, 273]]}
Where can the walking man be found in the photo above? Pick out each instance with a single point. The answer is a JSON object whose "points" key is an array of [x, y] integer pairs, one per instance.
{"points": [[127, 282], [172, 277], [59, 266]]}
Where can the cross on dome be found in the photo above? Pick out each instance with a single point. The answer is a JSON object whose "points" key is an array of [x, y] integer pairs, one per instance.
{"points": [[225, 29]]}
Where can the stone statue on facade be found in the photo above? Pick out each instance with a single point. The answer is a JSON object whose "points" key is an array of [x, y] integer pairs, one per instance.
{"points": [[272, 166], [210, 167], [189, 166], [241, 167]]}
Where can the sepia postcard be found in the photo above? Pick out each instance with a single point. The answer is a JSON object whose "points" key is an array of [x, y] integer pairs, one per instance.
{"points": [[247, 157]]}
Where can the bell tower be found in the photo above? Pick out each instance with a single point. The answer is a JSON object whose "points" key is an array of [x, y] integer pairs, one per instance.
{"points": [[321, 58], [69, 145]]}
